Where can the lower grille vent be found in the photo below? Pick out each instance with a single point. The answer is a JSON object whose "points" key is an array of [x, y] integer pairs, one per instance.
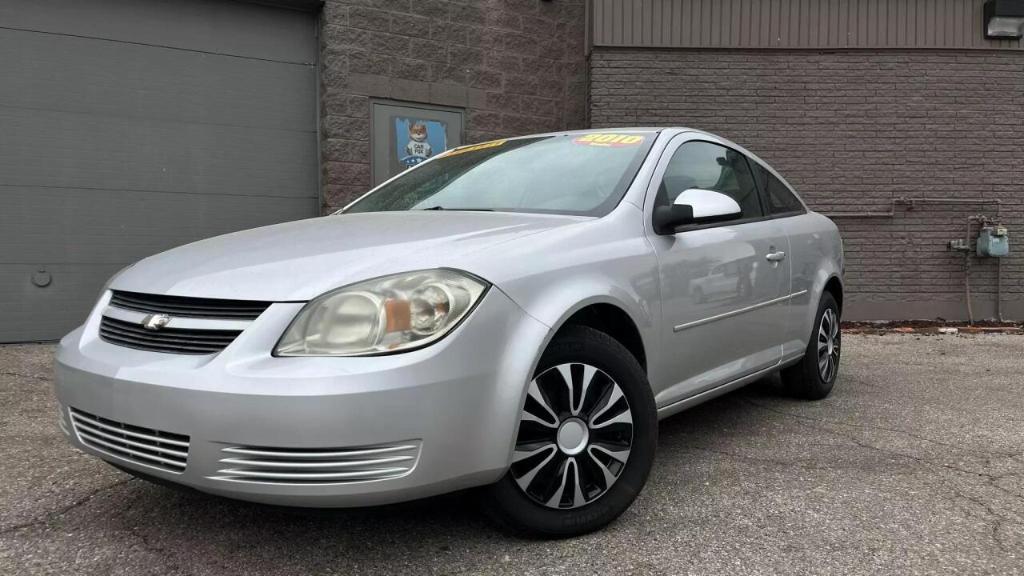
{"points": [[147, 446], [318, 466]]}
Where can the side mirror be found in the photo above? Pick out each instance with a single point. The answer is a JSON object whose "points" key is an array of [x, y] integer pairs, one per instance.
{"points": [[695, 206]]}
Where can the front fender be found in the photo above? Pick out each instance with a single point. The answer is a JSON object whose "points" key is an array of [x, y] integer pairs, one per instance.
{"points": [[554, 298], [559, 272]]}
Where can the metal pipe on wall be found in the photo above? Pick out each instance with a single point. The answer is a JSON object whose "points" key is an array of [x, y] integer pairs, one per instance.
{"points": [[910, 202], [999, 283], [967, 270], [860, 214]]}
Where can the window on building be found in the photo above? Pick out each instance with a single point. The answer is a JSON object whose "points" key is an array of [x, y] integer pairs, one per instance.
{"points": [[780, 198], [710, 167]]}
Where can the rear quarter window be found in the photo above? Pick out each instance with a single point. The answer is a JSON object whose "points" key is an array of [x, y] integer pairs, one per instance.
{"points": [[779, 199]]}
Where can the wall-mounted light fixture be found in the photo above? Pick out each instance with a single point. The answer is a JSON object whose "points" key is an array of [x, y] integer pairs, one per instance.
{"points": [[1004, 19]]}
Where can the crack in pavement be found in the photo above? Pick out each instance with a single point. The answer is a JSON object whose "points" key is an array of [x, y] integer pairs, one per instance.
{"points": [[140, 535], [991, 478], [46, 379], [883, 428], [55, 514], [996, 520], [777, 462]]}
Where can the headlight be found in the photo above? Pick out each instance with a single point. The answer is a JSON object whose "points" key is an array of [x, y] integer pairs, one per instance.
{"points": [[387, 314]]}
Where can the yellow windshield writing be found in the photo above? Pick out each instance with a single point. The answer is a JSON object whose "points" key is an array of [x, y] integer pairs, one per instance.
{"points": [[609, 139], [474, 147]]}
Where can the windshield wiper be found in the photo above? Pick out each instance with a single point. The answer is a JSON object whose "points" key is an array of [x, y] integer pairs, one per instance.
{"points": [[459, 209]]}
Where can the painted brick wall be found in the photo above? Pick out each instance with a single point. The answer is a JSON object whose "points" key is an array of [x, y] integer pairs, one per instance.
{"points": [[852, 131], [515, 66]]}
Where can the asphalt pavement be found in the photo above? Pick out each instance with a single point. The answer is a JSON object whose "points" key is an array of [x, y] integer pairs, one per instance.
{"points": [[914, 465]]}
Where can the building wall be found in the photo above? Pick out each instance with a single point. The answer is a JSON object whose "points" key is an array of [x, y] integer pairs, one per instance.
{"points": [[514, 66], [825, 24], [853, 131]]}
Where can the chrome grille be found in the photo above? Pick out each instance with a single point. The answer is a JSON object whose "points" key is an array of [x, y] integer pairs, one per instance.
{"points": [[154, 448], [169, 340], [312, 466], [181, 306]]}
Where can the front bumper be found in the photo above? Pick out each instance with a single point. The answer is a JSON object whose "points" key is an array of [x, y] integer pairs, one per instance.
{"points": [[452, 407]]}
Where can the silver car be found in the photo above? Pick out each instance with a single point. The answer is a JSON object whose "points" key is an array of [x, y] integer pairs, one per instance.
{"points": [[514, 315]]}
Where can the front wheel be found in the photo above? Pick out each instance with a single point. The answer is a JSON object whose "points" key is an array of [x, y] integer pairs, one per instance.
{"points": [[815, 375], [586, 439]]}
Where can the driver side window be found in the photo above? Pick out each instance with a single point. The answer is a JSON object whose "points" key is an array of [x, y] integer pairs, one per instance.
{"points": [[710, 167]]}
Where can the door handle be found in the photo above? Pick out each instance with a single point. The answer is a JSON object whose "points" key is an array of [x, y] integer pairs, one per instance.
{"points": [[775, 256]]}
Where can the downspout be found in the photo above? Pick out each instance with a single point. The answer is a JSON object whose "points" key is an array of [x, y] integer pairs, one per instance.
{"points": [[999, 289]]}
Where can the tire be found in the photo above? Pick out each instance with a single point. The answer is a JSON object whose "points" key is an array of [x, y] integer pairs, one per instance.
{"points": [[563, 458], [815, 375]]}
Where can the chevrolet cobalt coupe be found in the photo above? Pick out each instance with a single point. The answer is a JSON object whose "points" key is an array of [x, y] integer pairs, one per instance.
{"points": [[514, 315]]}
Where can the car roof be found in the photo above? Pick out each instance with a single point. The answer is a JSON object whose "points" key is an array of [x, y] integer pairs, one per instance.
{"points": [[623, 129], [668, 131]]}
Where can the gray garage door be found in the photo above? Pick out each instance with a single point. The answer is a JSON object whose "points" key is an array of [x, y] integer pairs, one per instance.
{"points": [[128, 127]]}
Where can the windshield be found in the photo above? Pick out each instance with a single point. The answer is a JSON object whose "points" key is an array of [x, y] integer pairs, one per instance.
{"points": [[579, 174]]}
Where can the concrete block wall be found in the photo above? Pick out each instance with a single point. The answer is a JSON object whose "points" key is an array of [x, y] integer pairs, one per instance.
{"points": [[852, 131], [514, 66]]}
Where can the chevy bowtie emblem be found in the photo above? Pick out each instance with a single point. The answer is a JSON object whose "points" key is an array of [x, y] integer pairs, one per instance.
{"points": [[155, 321]]}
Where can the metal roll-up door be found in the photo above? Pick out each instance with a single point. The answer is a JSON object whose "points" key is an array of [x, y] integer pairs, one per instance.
{"points": [[128, 127]]}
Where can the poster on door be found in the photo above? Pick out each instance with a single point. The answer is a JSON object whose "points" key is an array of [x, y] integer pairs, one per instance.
{"points": [[419, 140]]}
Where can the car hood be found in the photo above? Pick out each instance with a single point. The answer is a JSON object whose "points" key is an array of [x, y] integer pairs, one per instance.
{"points": [[300, 260]]}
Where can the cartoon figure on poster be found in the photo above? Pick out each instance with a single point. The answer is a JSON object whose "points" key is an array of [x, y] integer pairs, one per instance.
{"points": [[418, 140]]}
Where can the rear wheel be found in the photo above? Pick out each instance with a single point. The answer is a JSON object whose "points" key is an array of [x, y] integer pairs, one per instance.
{"points": [[586, 439], [815, 375]]}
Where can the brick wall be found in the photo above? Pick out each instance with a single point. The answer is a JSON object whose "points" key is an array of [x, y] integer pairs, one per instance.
{"points": [[514, 66], [852, 131]]}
